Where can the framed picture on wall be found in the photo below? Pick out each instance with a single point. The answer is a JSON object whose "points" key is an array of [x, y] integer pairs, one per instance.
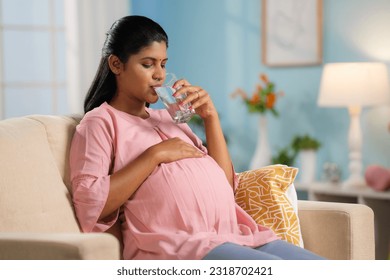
{"points": [[291, 32]]}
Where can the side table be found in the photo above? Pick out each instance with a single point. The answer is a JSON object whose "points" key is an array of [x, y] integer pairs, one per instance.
{"points": [[379, 202]]}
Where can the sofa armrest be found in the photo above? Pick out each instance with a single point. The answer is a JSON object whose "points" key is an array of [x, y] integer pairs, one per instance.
{"points": [[58, 246], [339, 231]]}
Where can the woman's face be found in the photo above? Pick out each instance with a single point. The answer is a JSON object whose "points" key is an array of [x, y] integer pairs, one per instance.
{"points": [[141, 73]]}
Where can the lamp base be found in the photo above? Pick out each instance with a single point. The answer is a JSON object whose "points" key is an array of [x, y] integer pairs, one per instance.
{"points": [[354, 183]]}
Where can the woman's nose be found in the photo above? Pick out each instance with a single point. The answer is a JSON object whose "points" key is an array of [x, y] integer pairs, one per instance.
{"points": [[159, 74]]}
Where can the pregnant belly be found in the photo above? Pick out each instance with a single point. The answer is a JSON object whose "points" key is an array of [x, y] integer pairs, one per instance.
{"points": [[190, 194]]}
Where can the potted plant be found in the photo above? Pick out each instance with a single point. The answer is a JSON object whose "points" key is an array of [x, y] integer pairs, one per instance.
{"points": [[305, 142], [306, 146], [262, 101], [284, 156]]}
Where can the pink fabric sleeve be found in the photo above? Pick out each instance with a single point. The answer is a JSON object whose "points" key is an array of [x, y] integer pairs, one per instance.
{"points": [[91, 156]]}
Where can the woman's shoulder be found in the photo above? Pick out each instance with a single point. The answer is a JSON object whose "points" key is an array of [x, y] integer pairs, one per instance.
{"points": [[100, 118], [98, 115]]}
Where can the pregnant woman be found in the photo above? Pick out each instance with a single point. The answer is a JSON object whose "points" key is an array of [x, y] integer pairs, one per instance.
{"points": [[173, 197]]}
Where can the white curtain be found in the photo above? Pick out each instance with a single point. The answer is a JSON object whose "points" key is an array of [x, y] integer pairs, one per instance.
{"points": [[86, 23]]}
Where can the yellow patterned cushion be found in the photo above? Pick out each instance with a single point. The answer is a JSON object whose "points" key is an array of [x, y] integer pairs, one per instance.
{"points": [[262, 194]]}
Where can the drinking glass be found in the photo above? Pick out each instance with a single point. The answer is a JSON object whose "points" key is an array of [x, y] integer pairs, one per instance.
{"points": [[180, 113]]}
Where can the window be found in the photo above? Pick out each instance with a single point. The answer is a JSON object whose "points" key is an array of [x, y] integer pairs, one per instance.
{"points": [[32, 58], [49, 53]]}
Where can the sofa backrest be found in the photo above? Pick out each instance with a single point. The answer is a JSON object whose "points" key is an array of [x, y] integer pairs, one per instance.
{"points": [[34, 174]]}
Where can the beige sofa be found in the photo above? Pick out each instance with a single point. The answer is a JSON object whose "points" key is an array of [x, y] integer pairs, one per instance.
{"points": [[37, 220]]}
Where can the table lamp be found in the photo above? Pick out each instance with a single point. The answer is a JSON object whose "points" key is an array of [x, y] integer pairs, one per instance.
{"points": [[354, 85]]}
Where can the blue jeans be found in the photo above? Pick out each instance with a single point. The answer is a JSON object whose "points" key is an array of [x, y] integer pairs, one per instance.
{"points": [[275, 250]]}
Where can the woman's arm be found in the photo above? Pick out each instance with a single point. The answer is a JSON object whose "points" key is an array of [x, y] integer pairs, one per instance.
{"points": [[216, 145], [126, 181], [96, 193], [204, 107]]}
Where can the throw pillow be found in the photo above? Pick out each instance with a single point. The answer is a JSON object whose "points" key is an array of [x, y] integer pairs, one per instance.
{"points": [[378, 177], [262, 193]]}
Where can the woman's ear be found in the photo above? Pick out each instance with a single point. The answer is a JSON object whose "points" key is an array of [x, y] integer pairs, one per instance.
{"points": [[115, 64]]}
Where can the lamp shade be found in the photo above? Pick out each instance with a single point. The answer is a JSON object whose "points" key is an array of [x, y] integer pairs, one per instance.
{"points": [[354, 84]]}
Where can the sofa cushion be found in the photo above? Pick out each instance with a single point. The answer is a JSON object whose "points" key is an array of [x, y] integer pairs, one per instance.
{"points": [[264, 194], [59, 130], [33, 196]]}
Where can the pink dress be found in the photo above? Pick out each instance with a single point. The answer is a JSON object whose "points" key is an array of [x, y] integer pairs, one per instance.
{"points": [[181, 211]]}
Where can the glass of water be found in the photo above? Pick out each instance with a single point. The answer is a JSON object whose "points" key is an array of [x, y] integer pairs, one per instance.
{"points": [[180, 113]]}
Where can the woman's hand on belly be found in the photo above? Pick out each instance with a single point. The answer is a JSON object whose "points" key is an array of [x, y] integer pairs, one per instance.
{"points": [[174, 149]]}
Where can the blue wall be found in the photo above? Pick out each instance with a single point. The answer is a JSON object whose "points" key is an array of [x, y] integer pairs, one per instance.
{"points": [[217, 44]]}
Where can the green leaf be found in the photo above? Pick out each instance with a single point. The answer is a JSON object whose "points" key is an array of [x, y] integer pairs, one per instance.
{"points": [[284, 156], [305, 142]]}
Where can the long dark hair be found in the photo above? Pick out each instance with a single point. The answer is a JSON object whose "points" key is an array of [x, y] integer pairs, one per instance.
{"points": [[127, 36]]}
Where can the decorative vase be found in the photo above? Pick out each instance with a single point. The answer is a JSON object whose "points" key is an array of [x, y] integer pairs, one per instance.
{"points": [[262, 155], [308, 159]]}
